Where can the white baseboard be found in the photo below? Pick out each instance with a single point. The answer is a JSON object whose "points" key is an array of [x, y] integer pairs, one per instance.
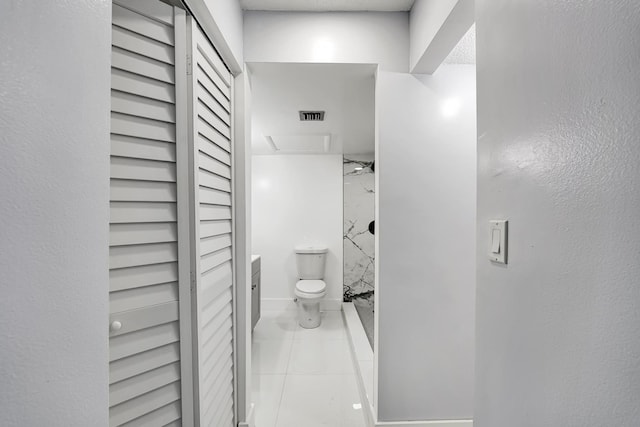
{"points": [[251, 418], [442, 423], [277, 304], [331, 304], [284, 304]]}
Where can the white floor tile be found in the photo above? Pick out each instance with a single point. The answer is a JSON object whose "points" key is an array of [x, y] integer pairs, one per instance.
{"points": [[266, 395], [275, 326], [320, 356], [320, 401], [270, 357], [304, 377]]}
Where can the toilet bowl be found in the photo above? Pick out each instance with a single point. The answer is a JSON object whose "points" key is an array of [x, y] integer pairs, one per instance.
{"points": [[310, 288], [309, 293]]}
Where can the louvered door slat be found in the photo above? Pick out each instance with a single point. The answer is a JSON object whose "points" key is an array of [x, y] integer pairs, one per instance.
{"points": [[214, 228], [143, 383], [138, 64], [142, 362], [211, 88], [141, 127], [145, 363], [151, 9], [217, 353], [214, 150], [214, 365], [136, 84], [174, 424], [214, 342], [218, 399], [214, 165], [133, 104], [211, 261], [147, 191], [211, 196], [136, 255], [135, 234], [167, 415], [129, 278], [141, 405], [211, 73], [140, 24], [217, 108], [129, 212], [134, 299], [143, 340], [212, 174], [211, 137]]}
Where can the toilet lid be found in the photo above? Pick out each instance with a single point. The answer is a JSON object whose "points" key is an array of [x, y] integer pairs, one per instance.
{"points": [[311, 286]]}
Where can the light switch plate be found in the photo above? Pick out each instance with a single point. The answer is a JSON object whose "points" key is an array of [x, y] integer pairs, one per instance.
{"points": [[498, 240]]}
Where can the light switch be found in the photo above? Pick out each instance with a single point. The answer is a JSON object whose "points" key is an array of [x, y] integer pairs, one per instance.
{"points": [[495, 241], [498, 236]]}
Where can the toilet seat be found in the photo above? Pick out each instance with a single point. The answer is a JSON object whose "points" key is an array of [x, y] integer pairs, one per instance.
{"points": [[310, 289]]}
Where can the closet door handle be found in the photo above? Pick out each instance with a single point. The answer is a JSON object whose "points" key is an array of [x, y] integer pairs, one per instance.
{"points": [[115, 326]]}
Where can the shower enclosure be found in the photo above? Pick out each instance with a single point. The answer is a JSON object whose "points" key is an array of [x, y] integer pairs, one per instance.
{"points": [[358, 239]]}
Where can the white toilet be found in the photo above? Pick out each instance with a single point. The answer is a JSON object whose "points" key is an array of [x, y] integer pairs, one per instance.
{"points": [[310, 288]]}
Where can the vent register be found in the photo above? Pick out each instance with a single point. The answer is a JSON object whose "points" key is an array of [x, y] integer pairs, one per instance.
{"points": [[302, 143], [311, 116]]}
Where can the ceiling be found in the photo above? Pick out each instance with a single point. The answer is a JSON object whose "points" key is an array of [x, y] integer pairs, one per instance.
{"points": [[328, 5], [344, 91]]}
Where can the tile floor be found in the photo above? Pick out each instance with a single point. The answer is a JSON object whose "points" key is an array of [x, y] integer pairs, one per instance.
{"points": [[304, 377]]}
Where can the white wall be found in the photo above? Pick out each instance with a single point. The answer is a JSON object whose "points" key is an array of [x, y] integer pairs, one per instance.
{"points": [[558, 126], [227, 15], [425, 19], [54, 168], [435, 28], [426, 163], [297, 199], [347, 37]]}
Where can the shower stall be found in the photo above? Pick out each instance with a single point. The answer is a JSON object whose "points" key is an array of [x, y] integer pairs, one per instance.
{"points": [[358, 239]]}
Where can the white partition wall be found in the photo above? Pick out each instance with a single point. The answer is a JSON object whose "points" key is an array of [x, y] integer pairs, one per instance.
{"points": [[425, 297]]}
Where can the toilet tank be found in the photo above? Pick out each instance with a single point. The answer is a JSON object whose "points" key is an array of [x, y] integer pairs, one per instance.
{"points": [[311, 261]]}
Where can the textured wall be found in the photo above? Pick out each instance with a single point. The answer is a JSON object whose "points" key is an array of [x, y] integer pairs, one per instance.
{"points": [[558, 126], [54, 153], [425, 164], [296, 200]]}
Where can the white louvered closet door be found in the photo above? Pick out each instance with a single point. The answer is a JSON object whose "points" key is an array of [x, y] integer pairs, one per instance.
{"points": [[210, 114], [146, 275]]}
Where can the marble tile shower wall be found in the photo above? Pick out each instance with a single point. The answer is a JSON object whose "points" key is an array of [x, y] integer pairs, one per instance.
{"points": [[359, 199]]}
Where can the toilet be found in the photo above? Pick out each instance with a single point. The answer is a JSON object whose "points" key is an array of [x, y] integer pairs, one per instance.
{"points": [[310, 289]]}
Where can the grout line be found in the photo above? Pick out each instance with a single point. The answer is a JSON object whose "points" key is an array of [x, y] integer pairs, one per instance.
{"points": [[287, 375], [284, 383]]}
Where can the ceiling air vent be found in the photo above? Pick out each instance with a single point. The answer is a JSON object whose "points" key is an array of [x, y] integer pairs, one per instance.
{"points": [[311, 116]]}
